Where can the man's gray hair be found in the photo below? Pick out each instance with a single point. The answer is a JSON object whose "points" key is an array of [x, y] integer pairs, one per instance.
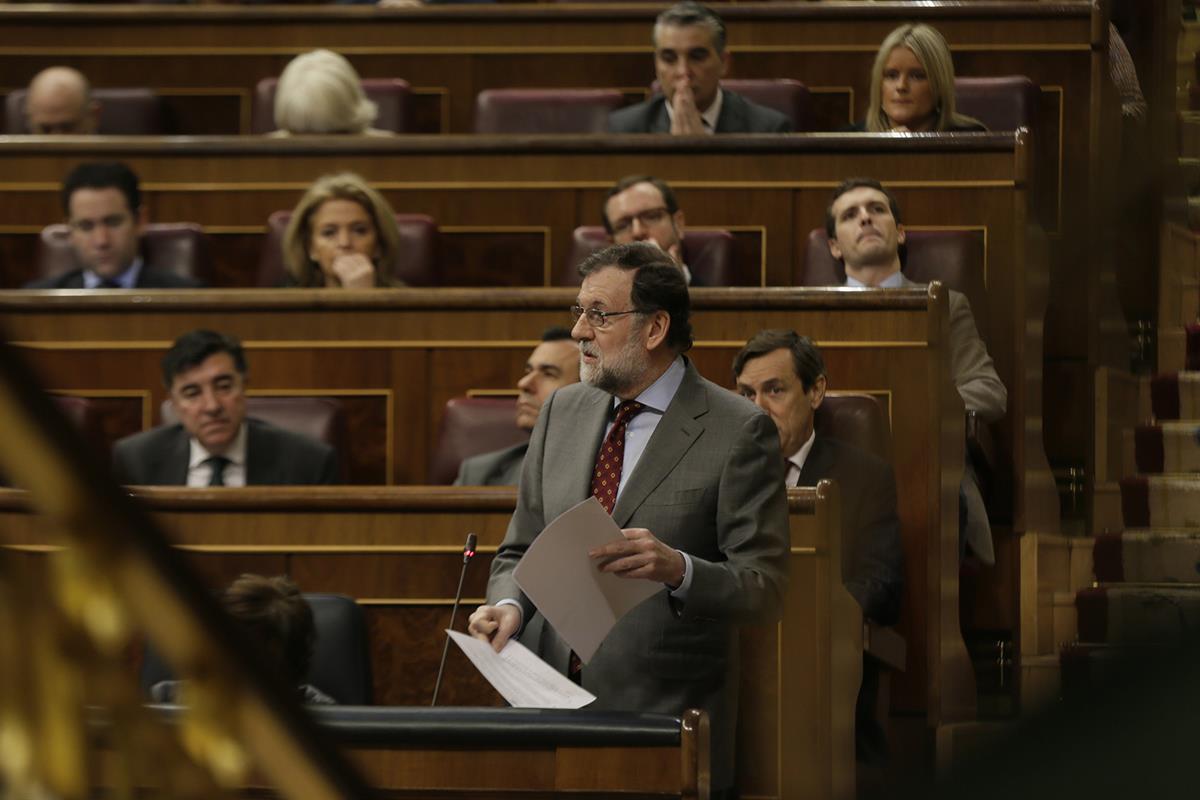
{"points": [[688, 13]]}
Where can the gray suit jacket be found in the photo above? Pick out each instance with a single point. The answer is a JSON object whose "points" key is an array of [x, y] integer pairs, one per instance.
{"points": [[497, 468], [274, 457], [982, 391], [738, 115], [710, 483]]}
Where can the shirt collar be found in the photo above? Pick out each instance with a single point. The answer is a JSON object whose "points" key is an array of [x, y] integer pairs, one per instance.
{"points": [[710, 115], [126, 280], [798, 458], [236, 452], [893, 281], [658, 395]]}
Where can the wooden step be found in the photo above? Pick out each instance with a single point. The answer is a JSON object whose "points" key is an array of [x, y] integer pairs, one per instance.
{"points": [[1148, 556]]}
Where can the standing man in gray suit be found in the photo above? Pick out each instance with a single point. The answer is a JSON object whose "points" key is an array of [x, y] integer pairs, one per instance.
{"points": [[862, 222], [553, 363], [690, 59], [699, 497]]}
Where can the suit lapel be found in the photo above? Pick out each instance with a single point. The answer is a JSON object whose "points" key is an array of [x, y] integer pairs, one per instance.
{"points": [[256, 472], [174, 467], [818, 465], [573, 482], [733, 114], [675, 434], [660, 122]]}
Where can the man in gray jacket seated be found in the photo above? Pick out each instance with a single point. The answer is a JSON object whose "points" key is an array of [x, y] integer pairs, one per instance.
{"points": [[553, 363]]}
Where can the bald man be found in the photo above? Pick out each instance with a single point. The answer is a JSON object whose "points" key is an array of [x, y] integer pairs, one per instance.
{"points": [[60, 102]]}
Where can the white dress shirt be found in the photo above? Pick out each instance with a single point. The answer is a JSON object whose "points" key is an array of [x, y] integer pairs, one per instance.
{"points": [[126, 280], [796, 461], [199, 473]]}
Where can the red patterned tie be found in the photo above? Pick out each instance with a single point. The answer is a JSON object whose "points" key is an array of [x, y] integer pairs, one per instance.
{"points": [[607, 476], [605, 480]]}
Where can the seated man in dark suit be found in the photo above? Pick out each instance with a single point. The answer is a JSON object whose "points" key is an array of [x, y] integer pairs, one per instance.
{"points": [[643, 208], [104, 210], [784, 374], [214, 443], [690, 59], [553, 363]]}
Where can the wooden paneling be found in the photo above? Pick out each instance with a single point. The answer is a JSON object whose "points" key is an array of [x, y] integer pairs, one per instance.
{"points": [[398, 553], [426, 346], [777, 185]]}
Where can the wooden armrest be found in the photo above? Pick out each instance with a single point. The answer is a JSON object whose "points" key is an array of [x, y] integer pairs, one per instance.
{"points": [[885, 645]]}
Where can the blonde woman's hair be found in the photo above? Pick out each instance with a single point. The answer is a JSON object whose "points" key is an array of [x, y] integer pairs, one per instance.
{"points": [[934, 54], [319, 92], [297, 239]]}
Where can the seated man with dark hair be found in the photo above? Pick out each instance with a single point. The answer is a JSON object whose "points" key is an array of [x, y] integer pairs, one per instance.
{"points": [[643, 208], [783, 373], [104, 210], [272, 612], [553, 363], [214, 443]]}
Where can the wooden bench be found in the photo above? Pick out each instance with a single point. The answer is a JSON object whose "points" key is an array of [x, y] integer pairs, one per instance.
{"points": [[398, 356], [397, 552]]}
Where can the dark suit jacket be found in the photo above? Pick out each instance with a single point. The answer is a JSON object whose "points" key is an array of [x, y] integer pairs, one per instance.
{"points": [[497, 468], [274, 457], [710, 484], [872, 558], [147, 279], [738, 115]]}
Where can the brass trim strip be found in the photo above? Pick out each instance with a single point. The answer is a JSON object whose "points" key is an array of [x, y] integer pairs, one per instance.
{"points": [[419, 344], [467, 186], [328, 549], [478, 49]]}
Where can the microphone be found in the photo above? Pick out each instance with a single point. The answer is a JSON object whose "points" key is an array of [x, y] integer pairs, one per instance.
{"points": [[468, 554]]}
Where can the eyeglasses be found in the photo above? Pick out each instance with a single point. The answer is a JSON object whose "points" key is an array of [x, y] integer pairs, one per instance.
{"points": [[651, 216], [597, 318]]}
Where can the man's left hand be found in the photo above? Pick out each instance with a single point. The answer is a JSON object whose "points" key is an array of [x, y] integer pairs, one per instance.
{"points": [[640, 555]]}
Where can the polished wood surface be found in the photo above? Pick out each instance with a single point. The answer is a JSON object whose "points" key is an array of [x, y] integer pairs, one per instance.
{"points": [[777, 185], [421, 347], [206, 60], [398, 552]]}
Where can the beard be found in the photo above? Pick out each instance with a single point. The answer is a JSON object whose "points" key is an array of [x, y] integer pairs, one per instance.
{"points": [[620, 372]]}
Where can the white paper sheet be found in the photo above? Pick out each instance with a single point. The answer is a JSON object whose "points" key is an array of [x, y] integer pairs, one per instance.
{"points": [[521, 678], [581, 602]]}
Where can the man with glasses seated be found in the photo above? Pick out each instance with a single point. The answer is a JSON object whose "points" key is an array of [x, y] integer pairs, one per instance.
{"points": [[104, 211], [642, 208]]}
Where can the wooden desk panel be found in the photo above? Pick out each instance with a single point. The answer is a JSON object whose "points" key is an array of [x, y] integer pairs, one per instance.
{"points": [[427, 346], [214, 56], [397, 551], [777, 185]]}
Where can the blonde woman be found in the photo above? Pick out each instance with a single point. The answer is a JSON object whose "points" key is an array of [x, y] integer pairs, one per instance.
{"points": [[912, 85], [319, 92], [342, 234]]}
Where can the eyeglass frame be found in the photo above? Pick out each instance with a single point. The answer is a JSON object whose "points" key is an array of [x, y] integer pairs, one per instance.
{"points": [[578, 311], [656, 216]]}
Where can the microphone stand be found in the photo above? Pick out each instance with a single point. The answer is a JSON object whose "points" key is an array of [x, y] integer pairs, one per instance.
{"points": [[468, 554]]}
